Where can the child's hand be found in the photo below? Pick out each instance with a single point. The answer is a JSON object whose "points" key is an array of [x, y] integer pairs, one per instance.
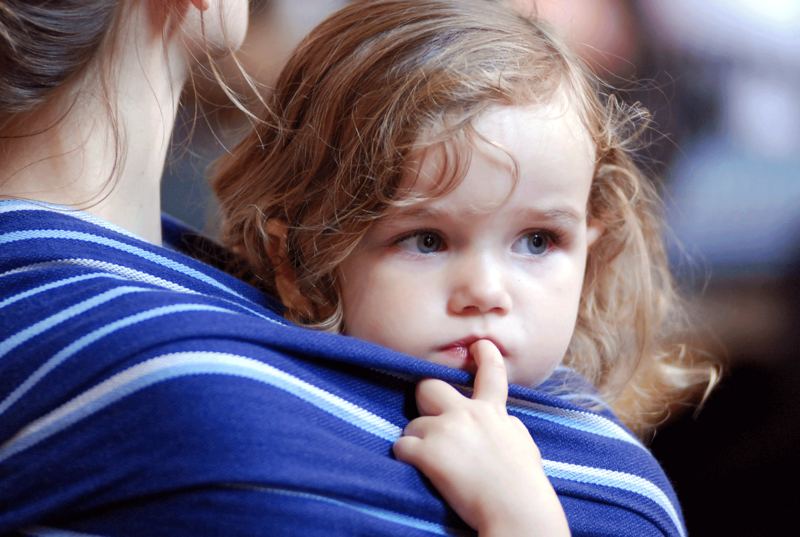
{"points": [[481, 460]]}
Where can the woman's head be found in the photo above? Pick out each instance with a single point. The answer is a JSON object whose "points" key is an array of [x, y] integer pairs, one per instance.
{"points": [[383, 83], [46, 45], [85, 84]]}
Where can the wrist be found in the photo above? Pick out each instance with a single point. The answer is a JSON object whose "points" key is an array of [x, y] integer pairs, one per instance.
{"points": [[533, 511]]}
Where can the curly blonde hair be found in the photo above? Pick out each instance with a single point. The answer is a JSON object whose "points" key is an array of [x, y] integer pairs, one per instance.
{"points": [[348, 111]]}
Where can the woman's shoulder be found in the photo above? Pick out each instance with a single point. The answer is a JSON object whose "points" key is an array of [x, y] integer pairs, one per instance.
{"points": [[133, 371], [132, 364], [86, 308], [48, 241]]}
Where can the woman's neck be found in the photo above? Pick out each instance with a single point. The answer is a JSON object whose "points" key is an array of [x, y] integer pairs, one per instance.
{"points": [[106, 153]]}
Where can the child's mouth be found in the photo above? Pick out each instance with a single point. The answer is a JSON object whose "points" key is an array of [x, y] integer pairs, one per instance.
{"points": [[461, 347], [457, 351]]}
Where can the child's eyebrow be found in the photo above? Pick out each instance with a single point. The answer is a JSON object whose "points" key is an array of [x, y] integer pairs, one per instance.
{"points": [[563, 216], [418, 212]]}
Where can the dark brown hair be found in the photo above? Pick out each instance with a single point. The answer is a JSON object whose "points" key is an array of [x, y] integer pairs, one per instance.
{"points": [[45, 44]]}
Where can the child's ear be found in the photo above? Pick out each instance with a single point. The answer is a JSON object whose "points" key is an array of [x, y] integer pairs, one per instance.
{"points": [[285, 277], [594, 230]]}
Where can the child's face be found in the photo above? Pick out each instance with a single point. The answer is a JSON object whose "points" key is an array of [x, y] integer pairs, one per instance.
{"points": [[487, 260]]}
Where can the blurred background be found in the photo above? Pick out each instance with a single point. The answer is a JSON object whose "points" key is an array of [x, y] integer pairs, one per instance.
{"points": [[722, 81]]}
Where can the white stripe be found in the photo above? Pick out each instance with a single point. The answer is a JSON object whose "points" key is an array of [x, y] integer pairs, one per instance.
{"points": [[584, 400], [576, 419], [14, 341], [102, 332], [143, 253], [109, 268], [11, 206], [119, 272], [383, 514], [181, 364], [15, 205], [48, 286], [43, 531], [619, 480], [162, 261]]}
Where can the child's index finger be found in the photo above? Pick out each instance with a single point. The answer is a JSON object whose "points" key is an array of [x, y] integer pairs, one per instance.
{"points": [[491, 379]]}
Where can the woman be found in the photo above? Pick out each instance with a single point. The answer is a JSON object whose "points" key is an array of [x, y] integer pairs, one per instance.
{"points": [[143, 392]]}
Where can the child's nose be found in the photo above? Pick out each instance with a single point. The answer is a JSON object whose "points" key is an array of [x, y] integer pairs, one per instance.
{"points": [[479, 287]]}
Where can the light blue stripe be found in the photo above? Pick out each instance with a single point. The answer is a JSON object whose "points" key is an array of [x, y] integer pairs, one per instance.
{"points": [[198, 364], [383, 514], [10, 206], [53, 285], [584, 400], [34, 330], [120, 272], [93, 336], [42, 531], [105, 267], [111, 243], [208, 363], [574, 419], [573, 387], [618, 480]]}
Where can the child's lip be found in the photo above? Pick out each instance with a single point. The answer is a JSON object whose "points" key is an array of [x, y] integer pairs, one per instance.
{"points": [[469, 340]]}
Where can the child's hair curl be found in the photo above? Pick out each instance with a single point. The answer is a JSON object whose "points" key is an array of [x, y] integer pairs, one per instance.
{"points": [[349, 110]]}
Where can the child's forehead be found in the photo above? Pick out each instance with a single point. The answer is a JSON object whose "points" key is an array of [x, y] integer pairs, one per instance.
{"points": [[503, 141], [560, 116]]}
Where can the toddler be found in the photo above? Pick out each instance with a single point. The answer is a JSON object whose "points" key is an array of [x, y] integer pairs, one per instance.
{"points": [[441, 177]]}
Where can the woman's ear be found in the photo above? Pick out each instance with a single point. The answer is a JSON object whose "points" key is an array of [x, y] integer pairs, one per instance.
{"points": [[182, 5], [285, 277], [594, 230], [169, 14]]}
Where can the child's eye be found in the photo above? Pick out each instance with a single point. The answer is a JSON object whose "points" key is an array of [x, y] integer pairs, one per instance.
{"points": [[424, 242], [534, 243]]}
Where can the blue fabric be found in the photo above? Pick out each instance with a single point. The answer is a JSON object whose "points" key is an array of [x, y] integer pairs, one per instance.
{"points": [[143, 392]]}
